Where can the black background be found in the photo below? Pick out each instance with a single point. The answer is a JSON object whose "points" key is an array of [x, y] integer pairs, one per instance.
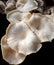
{"points": [[44, 57]]}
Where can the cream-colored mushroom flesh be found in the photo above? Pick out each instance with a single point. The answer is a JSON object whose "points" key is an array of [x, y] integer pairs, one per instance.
{"points": [[18, 36], [11, 56], [43, 26], [16, 16], [28, 6]]}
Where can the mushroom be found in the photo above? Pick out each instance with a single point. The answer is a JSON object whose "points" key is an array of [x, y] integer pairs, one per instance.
{"points": [[42, 25], [17, 16], [18, 36], [15, 45], [9, 55], [27, 6], [26, 31]]}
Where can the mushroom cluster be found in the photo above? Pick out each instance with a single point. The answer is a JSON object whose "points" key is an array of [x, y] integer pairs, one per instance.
{"points": [[26, 30]]}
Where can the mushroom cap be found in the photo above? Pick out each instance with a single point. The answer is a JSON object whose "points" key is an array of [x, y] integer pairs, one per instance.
{"points": [[17, 38], [27, 6], [42, 25], [10, 55], [16, 16]]}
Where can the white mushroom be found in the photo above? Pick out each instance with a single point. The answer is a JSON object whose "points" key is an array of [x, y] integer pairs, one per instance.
{"points": [[19, 42], [43, 26], [18, 36], [17, 16], [28, 6], [10, 55]]}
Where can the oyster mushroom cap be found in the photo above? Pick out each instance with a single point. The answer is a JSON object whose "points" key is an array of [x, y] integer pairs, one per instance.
{"points": [[32, 46], [10, 55], [28, 6], [16, 16], [18, 36], [43, 26]]}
